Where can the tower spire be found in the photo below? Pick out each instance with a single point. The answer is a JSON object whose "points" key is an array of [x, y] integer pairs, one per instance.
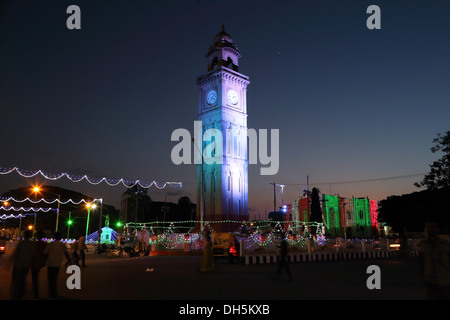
{"points": [[223, 52]]}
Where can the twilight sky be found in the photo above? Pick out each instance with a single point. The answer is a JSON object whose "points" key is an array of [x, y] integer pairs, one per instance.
{"points": [[350, 103]]}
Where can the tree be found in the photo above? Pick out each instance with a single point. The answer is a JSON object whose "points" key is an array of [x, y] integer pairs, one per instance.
{"points": [[186, 209], [137, 197], [316, 211], [409, 212], [439, 176]]}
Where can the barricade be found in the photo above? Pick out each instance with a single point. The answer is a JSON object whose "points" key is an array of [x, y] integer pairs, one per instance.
{"points": [[318, 256]]}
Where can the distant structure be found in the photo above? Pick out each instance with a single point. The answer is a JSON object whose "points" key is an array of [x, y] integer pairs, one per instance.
{"points": [[223, 106], [342, 217], [107, 236]]}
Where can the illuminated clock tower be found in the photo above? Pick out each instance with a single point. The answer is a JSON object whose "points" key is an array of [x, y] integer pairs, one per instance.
{"points": [[223, 106]]}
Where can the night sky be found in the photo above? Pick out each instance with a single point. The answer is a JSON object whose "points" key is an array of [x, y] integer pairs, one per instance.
{"points": [[350, 103]]}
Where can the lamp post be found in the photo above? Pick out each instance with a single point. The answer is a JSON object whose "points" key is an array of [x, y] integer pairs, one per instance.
{"points": [[37, 189], [89, 206], [69, 223], [34, 226], [57, 213], [201, 189], [101, 214]]}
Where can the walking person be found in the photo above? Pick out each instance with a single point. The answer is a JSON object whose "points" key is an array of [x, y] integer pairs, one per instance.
{"points": [[81, 248], [38, 262], [434, 256], [207, 257], [283, 259], [54, 253], [21, 260], [74, 252]]}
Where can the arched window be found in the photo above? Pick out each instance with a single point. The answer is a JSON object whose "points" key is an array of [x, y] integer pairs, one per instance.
{"points": [[214, 63], [229, 63]]}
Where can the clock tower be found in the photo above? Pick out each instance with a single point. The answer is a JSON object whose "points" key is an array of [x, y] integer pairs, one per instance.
{"points": [[223, 107]]}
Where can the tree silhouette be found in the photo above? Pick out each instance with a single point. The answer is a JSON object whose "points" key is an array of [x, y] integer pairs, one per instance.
{"points": [[186, 209], [439, 176], [138, 202], [316, 211]]}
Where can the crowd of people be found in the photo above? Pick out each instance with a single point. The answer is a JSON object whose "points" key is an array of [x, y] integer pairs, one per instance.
{"points": [[34, 255]]}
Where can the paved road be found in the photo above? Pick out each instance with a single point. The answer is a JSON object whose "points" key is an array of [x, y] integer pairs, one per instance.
{"points": [[179, 278]]}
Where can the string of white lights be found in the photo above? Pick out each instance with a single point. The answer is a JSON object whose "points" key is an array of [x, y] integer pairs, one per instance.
{"points": [[94, 181], [11, 216], [8, 208], [47, 201]]}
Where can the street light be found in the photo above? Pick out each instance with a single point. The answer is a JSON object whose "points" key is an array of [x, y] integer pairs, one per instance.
{"points": [[69, 223], [89, 206], [201, 190], [37, 189]]}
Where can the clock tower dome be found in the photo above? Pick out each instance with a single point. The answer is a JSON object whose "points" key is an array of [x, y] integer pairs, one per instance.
{"points": [[223, 106]]}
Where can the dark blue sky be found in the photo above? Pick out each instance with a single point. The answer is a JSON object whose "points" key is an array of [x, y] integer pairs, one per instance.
{"points": [[350, 103]]}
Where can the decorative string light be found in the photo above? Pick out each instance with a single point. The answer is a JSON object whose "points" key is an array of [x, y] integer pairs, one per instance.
{"points": [[8, 208], [94, 181], [256, 239], [47, 201], [244, 224], [11, 216]]}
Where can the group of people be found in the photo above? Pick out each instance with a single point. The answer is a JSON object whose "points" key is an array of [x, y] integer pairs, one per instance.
{"points": [[37, 254], [77, 251], [434, 257], [207, 263]]}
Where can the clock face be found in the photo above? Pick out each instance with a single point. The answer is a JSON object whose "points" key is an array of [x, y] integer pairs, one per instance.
{"points": [[211, 98], [233, 97]]}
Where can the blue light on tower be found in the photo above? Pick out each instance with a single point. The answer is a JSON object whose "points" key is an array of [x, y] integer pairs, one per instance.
{"points": [[223, 106]]}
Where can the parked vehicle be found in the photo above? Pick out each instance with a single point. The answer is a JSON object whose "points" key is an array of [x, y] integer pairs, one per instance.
{"points": [[225, 245], [3, 245], [101, 248]]}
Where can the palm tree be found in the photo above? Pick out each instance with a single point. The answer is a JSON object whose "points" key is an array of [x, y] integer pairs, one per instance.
{"points": [[137, 201]]}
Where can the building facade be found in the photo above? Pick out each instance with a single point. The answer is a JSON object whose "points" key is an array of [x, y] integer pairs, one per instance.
{"points": [[343, 217]]}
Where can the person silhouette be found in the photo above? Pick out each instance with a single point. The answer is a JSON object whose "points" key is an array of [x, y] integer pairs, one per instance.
{"points": [[38, 262], [207, 257], [54, 253], [22, 260], [283, 263], [434, 257]]}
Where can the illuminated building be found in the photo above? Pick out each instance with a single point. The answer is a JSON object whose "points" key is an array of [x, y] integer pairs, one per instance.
{"points": [[223, 107], [343, 217]]}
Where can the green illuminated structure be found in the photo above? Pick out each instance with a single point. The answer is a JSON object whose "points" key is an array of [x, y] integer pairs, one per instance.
{"points": [[331, 214], [361, 209]]}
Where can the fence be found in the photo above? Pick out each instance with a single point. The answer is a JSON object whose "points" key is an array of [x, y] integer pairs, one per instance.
{"points": [[305, 250]]}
